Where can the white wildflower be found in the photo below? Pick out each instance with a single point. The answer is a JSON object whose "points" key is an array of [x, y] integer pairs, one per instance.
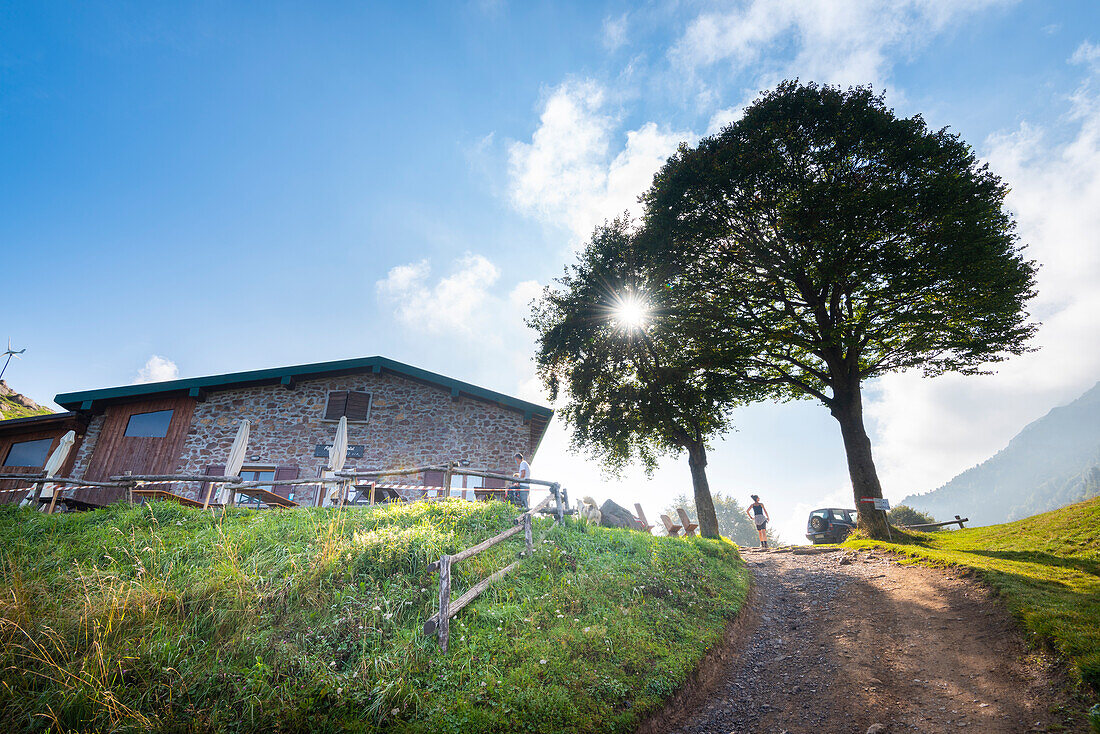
{"points": [[542, 662]]}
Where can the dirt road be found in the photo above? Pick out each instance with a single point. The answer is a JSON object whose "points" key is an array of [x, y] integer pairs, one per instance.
{"points": [[839, 642]]}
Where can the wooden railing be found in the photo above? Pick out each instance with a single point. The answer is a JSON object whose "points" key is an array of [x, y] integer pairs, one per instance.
{"points": [[236, 485], [440, 622]]}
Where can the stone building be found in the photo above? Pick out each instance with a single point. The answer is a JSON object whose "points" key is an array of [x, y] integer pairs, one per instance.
{"points": [[399, 416]]}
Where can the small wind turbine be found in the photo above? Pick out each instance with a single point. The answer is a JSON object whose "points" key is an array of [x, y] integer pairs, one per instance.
{"points": [[10, 353]]}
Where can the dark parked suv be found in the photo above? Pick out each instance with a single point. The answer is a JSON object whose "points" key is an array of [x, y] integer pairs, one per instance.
{"points": [[830, 525]]}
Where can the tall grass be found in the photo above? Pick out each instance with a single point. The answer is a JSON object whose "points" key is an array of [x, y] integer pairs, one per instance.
{"points": [[165, 618]]}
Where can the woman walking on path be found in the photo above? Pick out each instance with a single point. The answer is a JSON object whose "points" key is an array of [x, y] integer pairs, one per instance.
{"points": [[760, 516]]}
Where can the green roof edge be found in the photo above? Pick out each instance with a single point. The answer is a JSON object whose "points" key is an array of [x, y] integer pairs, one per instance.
{"points": [[74, 400]]}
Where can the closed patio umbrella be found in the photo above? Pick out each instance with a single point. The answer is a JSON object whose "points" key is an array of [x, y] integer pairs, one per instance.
{"points": [[338, 454], [53, 467], [236, 457]]}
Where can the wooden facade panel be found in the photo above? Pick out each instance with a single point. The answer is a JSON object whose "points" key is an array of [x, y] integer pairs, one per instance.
{"points": [[55, 433], [116, 453]]}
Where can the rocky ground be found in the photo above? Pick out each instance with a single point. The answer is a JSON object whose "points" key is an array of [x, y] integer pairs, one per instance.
{"points": [[852, 642]]}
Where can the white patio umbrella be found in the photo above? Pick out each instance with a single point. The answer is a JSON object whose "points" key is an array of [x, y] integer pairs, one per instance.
{"points": [[236, 452], [236, 457], [54, 464], [338, 454]]}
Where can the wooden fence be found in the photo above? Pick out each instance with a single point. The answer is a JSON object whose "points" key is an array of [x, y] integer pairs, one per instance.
{"points": [[136, 484], [440, 622]]}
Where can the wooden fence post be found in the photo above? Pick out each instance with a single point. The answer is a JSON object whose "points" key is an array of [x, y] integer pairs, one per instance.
{"points": [[53, 499], [444, 601], [527, 534], [447, 479], [556, 489]]}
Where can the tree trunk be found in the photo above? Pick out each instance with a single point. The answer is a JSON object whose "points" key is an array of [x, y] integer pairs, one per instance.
{"points": [[704, 503], [848, 410]]}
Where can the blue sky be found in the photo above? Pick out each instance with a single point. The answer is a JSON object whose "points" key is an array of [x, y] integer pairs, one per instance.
{"points": [[232, 186]]}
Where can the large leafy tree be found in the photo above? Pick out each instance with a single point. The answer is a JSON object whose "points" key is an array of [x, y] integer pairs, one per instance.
{"points": [[637, 380], [830, 242]]}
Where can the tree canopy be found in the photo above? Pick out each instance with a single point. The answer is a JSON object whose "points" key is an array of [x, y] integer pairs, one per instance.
{"points": [[825, 241], [638, 381]]}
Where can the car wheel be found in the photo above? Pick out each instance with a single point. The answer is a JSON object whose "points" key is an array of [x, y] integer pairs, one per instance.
{"points": [[818, 524]]}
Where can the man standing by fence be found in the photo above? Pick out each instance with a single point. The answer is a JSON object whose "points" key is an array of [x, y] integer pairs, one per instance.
{"points": [[520, 492]]}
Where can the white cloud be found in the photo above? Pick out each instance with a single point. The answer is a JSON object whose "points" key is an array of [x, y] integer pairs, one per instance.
{"points": [[614, 32], [832, 41], [455, 303], [724, 117], [1087, 53], [568, 175], [157, 369], [929, 430]]}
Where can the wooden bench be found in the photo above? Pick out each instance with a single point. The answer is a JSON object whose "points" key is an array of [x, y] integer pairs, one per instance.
{"points": [[266, 496], [671, 528], [689, 526], [643, 524], [163, 494]]}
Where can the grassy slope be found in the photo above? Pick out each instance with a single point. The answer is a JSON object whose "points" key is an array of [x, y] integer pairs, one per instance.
{"points": [[1046, 567], [160, 617]]}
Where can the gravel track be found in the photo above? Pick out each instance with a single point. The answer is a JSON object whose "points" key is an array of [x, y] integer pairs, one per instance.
{"points": [[840, 642]]}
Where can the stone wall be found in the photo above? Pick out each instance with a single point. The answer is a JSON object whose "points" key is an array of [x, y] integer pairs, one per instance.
{"points": [[411, 424], [87, 446]]}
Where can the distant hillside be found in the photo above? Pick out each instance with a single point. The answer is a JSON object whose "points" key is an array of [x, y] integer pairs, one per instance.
{"points": [[14, 405], [1052, 462]]}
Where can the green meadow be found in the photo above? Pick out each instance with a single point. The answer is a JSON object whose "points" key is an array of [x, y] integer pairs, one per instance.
{"points": [[164, 618]]}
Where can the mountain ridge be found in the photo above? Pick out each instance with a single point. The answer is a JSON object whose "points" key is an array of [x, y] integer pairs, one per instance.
{"points": [[1052, 462]]}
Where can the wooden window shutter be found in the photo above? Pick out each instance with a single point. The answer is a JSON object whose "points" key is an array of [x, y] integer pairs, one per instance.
{"points": [[337, 404], [284, 473], [358, 406]]}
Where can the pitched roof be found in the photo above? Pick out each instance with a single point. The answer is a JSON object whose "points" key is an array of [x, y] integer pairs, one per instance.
{"points": [[194, 386]]}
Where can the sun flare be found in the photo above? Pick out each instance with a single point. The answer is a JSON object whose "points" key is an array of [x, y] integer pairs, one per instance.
{"points": [[631, 313]]}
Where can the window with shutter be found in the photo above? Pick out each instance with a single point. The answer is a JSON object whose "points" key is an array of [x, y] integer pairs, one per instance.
{"points": [[292, 492], [354, 405], [358, 408], [337, 404]]}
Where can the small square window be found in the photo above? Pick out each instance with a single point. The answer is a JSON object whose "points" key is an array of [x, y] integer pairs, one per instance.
{"points": [[29, 453], [149, 425]]}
